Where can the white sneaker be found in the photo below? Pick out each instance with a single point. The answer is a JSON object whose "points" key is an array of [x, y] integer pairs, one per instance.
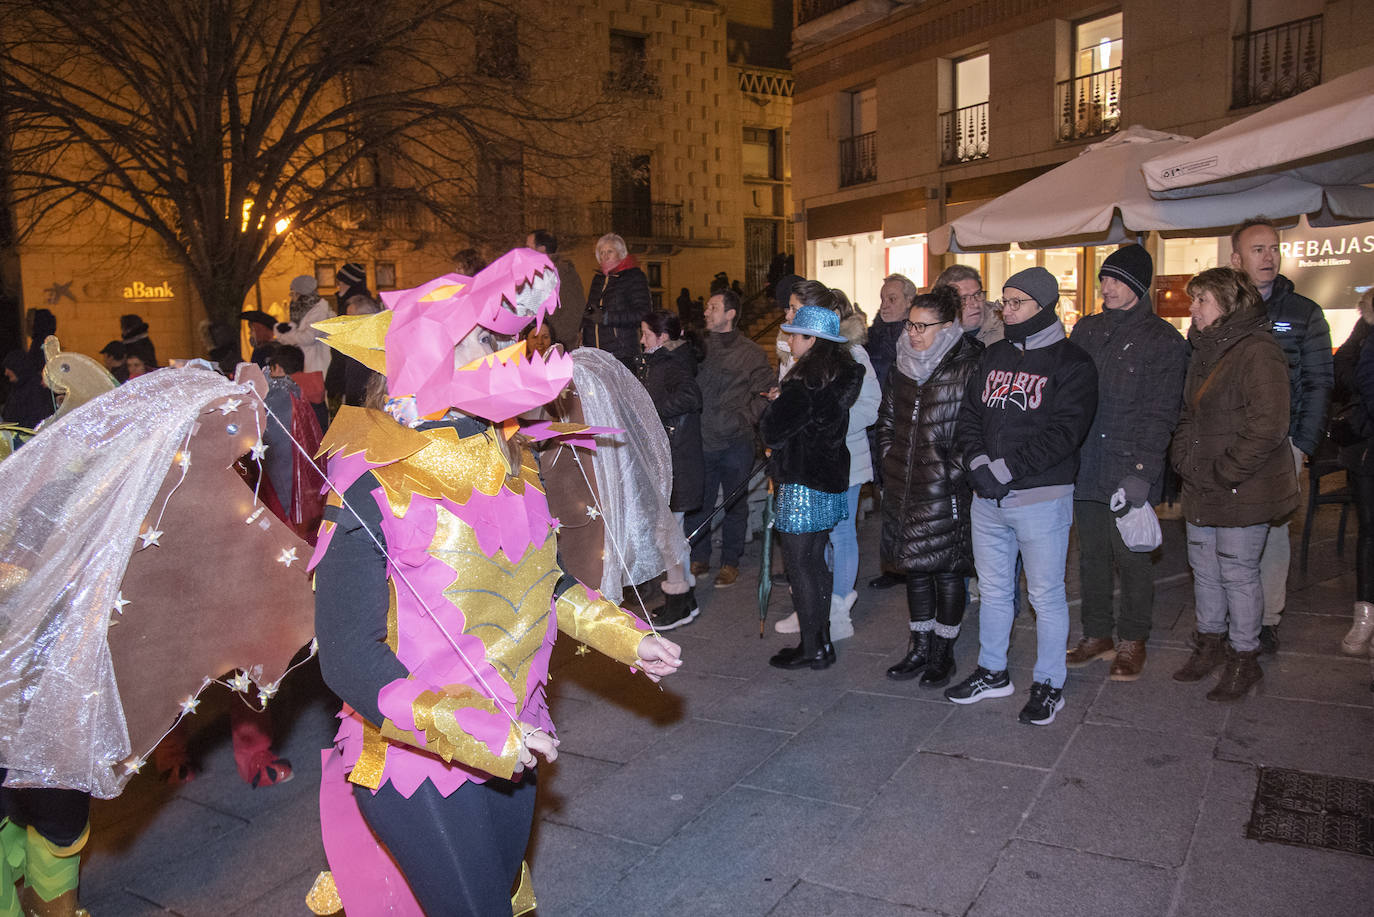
{"points": [[788, 625], [1356, 640], [841, 627]]}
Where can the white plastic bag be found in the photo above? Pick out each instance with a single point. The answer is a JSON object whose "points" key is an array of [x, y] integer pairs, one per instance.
{"points": [[1139, 527]]}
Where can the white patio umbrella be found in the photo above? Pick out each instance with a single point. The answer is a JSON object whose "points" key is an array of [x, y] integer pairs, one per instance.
{"points": [[1324, 135], [1100, 198]]}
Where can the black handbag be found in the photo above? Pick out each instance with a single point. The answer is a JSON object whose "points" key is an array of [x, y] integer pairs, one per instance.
{"points": [[1349, 425]]}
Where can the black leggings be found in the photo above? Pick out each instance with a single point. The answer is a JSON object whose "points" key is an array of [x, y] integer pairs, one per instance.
{"points": [[461, 853], [1364, 542], [803, 555], [937, 596]]}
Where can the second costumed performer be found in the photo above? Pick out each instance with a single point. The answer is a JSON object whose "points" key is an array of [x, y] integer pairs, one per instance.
{"points": [[438, 597]]}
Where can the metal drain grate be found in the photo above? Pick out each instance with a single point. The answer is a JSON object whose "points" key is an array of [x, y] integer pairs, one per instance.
{"points": [[1313, 810]]}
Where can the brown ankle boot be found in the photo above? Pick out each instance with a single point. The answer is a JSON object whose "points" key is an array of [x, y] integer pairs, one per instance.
{"points": [[1242, 673], [1129, 661], [1088, 650], [1209, 651]]}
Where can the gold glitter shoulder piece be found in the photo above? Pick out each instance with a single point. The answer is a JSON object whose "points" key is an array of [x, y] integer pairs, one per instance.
{"points": [[380, 439]]}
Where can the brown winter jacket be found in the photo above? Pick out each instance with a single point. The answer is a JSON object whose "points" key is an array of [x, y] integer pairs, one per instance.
{"points": [[1231, 446]]}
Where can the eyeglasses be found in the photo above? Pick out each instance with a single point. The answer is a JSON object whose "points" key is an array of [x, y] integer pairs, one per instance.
{"points": [[977, 296], [1014, 304], [920, 327]]}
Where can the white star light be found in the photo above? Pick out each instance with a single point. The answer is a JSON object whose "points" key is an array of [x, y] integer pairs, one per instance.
{"points": [[287, 556], [267, 692], [259, 449], [229, 406], [150, 537], [241, 682], [184, 460], [592, 512], [189, 705], [314, 645], [134, 765], [557, 526], [120, 602]]}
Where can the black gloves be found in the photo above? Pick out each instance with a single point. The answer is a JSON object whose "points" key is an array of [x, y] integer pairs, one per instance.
{"points": [[1137, 490], [986, 485]]}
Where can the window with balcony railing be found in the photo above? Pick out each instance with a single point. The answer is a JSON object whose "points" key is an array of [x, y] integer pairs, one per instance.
{"points": [[1089, 103], [859, 159], [629, 73], [1277, 62], [964, 134], [964, 130], [639, 219]]}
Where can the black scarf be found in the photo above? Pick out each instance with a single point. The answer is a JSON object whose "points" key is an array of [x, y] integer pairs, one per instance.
{"points": [[1041, 320]]}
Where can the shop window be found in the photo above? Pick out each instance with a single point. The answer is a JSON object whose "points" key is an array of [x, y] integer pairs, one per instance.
{"points": [[1090, 100]]}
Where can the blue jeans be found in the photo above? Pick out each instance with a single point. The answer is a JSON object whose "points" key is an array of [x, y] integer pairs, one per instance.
{"points": [[1228, 597], [844, 547], [1040, 532], [724, 470]]}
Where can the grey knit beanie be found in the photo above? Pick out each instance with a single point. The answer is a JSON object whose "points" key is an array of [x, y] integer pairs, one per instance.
{"points": [[1037, 283]]}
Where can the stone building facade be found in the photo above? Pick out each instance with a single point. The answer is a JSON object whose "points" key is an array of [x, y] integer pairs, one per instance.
{"points": [[908, 114], [693, 171]]}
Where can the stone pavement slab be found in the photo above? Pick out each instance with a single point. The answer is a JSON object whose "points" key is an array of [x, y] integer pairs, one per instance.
{"points": [[1042, 880], [931, 834]]}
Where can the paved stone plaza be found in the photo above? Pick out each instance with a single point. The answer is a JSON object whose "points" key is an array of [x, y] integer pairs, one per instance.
{"points": [[740, 790]]}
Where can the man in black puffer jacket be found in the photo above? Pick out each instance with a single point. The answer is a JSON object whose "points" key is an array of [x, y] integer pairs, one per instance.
{"points": [[1025, 415], [1301, 330], [1141, 361]]}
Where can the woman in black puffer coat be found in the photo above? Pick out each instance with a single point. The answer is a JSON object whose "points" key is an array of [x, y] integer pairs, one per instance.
{"points": [[926, 532], [668, 371]]}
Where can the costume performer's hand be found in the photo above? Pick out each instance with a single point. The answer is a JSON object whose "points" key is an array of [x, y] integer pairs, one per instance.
{"points": [[537, 742], [658, 657]]}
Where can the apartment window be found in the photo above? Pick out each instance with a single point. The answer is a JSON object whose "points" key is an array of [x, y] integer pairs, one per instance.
{"points": [[760, 153], [1280, 52], [629, 70], [859, 150], [498, 45], [501, 190], [1090, 101], [964, 129]]}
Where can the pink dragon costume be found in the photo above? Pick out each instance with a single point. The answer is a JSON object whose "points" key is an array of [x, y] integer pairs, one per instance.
{"points": [[438, 596]]}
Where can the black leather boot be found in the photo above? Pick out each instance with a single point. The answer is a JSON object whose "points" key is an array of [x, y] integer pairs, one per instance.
{"points": [[940, 666], [827, 648], [916, 659]]}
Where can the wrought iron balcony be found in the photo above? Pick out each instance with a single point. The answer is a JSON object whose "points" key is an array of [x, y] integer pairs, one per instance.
{"points": [[859, 159], [656, 221], [1090, 106], [964, 134], [1278, 62], [635, 80]]}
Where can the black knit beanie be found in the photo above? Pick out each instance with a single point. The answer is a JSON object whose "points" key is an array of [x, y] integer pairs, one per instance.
{"points": [[1133, 266]]}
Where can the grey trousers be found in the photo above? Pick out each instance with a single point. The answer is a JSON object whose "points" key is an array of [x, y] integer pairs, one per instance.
{"points": [[1228, 596]]}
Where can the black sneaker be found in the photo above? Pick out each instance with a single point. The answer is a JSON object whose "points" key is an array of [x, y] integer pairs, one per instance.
{"points": [[980, 685], [1269, 639], [1044, 703], [677, 611]]}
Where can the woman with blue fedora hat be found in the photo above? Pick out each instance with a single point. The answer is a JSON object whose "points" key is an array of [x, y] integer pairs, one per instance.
{"points": [[805, 427]]}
